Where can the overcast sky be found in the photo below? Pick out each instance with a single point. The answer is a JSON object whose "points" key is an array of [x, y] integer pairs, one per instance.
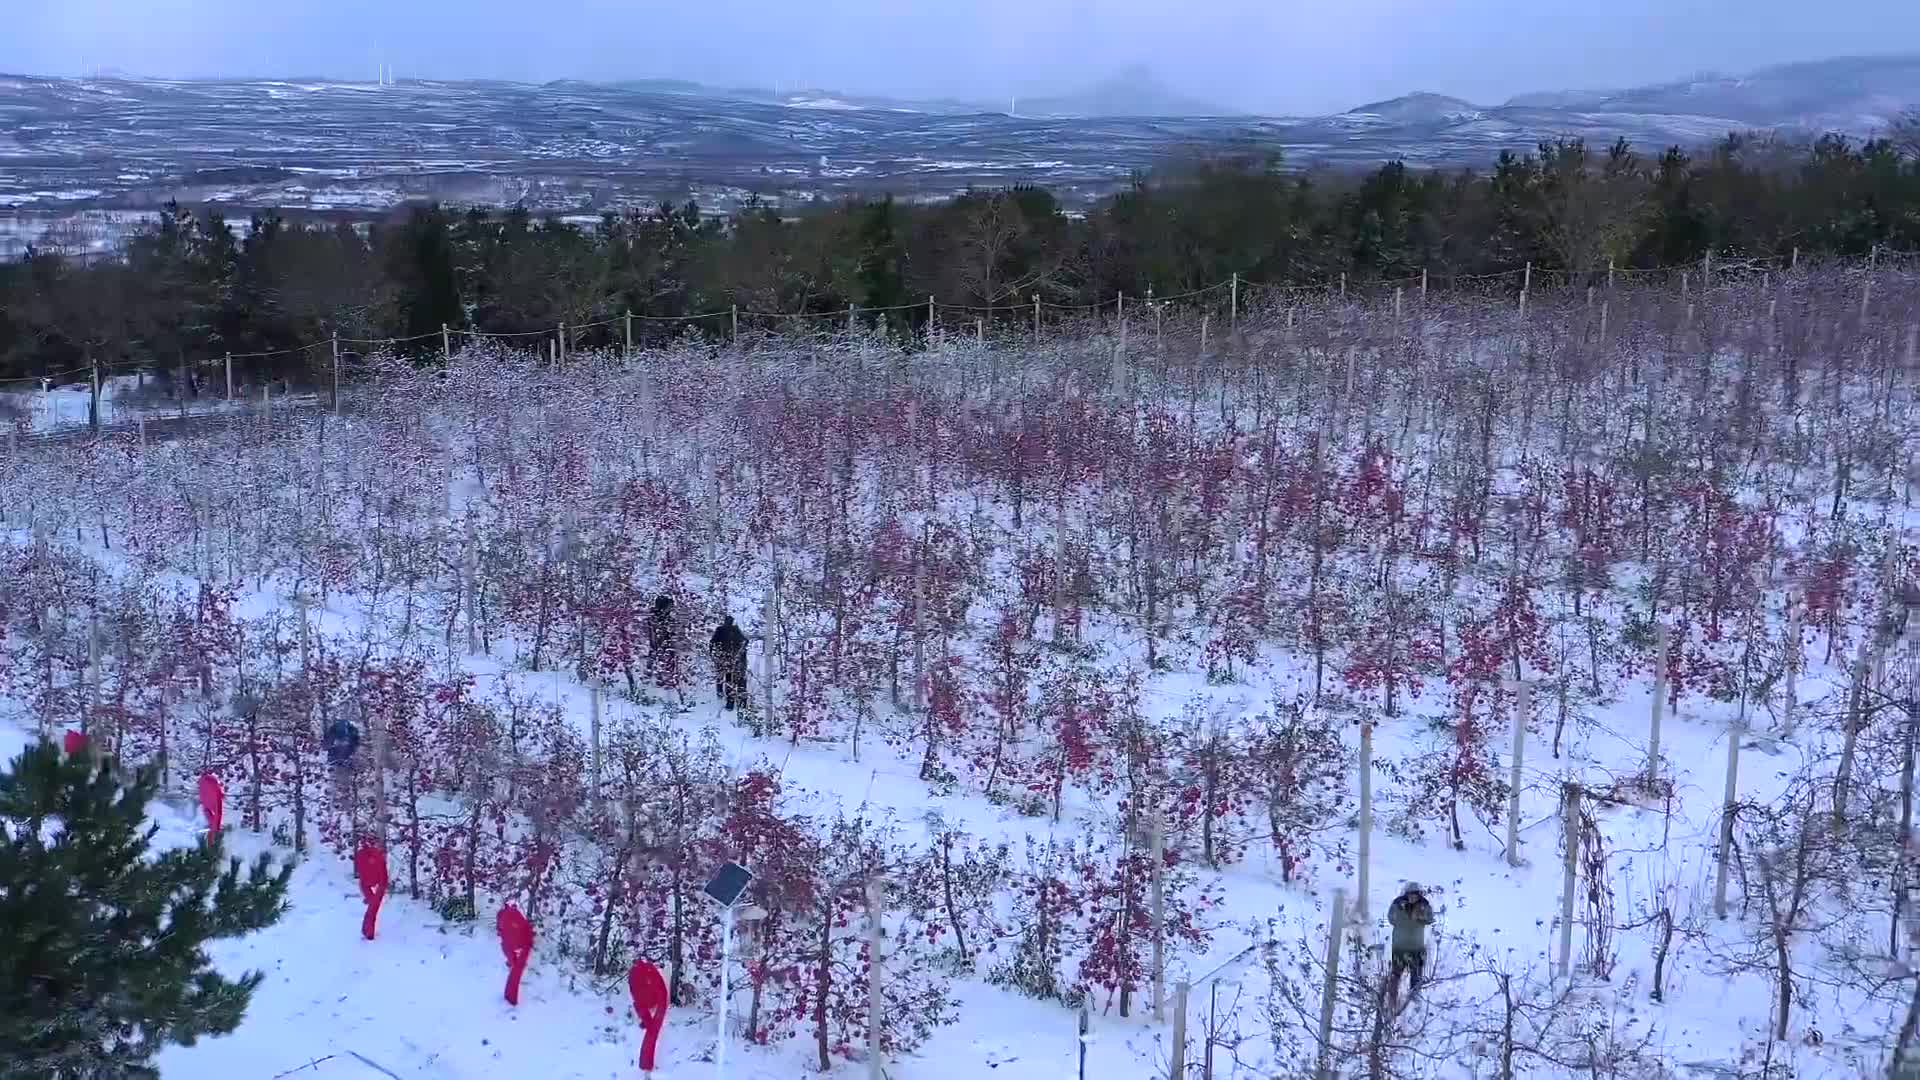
{"points": [[1287, 56]]}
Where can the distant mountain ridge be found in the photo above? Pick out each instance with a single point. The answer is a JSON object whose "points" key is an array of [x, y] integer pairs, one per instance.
{"points": [[1851, 94], [1134, 91], [110, 146], [1419, 107]]}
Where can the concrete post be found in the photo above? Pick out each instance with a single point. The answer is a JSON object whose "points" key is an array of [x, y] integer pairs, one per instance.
{"points": [[1522, 709], [1365, 853], [876, 939], [1725, 852], [1660, 645], [1570, 829], [1329, 990], [1157, 852], [1177, 1049]]}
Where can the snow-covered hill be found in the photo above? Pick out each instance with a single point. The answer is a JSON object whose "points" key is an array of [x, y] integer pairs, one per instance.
{"points": [[69, 146]]}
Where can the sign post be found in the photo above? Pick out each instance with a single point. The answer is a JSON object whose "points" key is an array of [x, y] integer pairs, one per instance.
{"points": [[729, 884]]}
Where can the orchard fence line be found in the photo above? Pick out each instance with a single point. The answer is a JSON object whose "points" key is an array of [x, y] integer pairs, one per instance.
{"points": [[1241, 295]]}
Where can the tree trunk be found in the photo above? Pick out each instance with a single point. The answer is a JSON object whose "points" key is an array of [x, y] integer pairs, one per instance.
{"points": [[823, 986], [610, 907], [1843, 776], [1908, 1028], [1506, 1027], [946, 888], [1660, 953], [469, 870]]}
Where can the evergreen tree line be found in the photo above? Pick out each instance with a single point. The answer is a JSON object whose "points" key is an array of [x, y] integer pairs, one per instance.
{"points": [[189, 290]]}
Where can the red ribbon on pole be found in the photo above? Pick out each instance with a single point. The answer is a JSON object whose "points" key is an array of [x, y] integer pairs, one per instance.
{"points": [[213, 800], [516, 941], [370, 866], [74, 742], [650, 1002]]}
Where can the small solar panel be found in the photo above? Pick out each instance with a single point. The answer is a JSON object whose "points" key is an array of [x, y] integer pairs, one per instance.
{"points": [[728, 883]]}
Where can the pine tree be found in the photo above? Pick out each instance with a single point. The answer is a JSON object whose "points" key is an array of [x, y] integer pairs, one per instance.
{"points": [[102, 958]]}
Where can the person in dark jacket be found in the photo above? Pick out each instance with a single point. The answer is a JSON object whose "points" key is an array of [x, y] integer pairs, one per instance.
{"points": [[1410, 914], [342, 740], [730, 663], [662, 651]]}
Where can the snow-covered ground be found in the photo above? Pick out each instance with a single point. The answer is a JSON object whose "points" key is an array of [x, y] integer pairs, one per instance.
{"points": [[60, 407], [674, 456]]}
